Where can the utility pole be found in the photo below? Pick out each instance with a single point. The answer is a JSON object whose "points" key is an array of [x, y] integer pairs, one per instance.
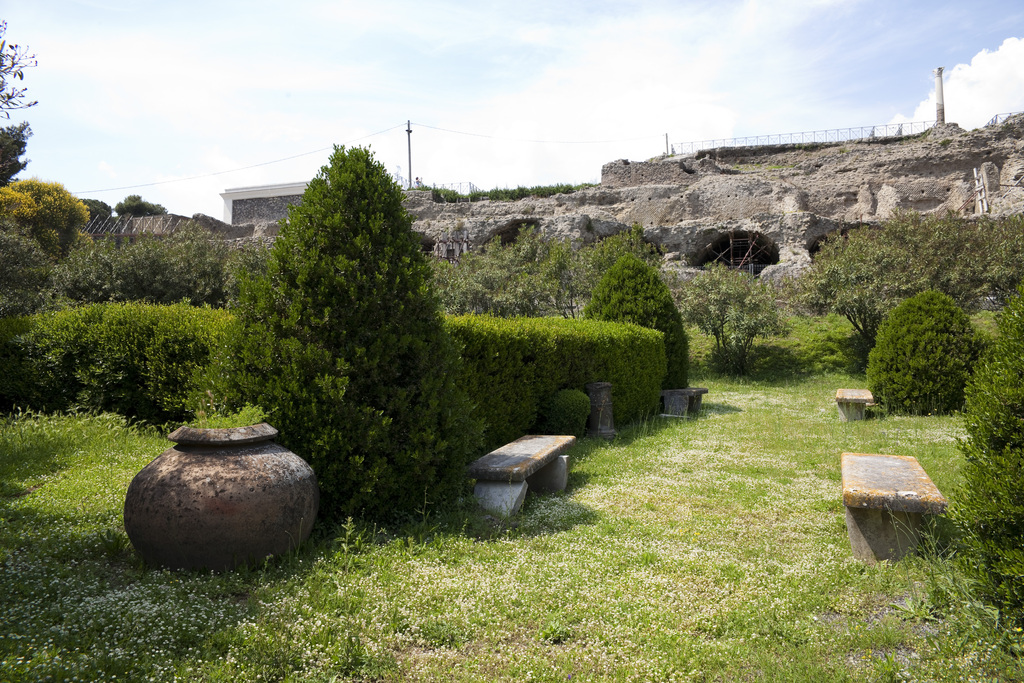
{"points": [[408, 130]]}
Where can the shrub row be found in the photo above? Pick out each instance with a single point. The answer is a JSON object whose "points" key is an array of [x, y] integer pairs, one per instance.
{"points": [[141, 360], [130, 358], [512, 365], [443, 195]]}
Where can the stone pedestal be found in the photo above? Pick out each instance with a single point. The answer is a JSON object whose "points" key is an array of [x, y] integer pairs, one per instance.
{"points": [[683, 402], [552, 477], [877, 535], [600, 423], [886, 497], [503, 498], [676, 402], [852, 402], [694, 396]]}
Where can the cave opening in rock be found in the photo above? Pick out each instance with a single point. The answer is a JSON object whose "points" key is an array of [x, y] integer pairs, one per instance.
{"points": [[750, 252]]}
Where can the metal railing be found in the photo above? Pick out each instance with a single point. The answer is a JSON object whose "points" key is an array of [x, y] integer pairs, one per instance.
{"points": [[814, 136], [999, 118], [461, 188], [134, 225]]}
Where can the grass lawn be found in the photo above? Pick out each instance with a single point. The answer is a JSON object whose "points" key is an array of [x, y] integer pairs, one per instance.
{"points": [[692, 550]]}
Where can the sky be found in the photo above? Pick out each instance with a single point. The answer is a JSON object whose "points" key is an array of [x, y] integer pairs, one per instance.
{"points": [[179, 101]]}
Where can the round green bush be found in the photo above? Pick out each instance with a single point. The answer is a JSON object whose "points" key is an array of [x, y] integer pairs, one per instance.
{"points": [[632, 292], [923, 356], [990, 506], [341, 341], [564, 413]]}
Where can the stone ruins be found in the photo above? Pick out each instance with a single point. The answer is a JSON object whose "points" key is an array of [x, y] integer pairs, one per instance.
{"points": [[769, 205], [763, 208]]}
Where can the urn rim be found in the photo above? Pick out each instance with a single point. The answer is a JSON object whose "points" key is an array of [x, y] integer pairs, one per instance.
{"points": [[229, 436]]}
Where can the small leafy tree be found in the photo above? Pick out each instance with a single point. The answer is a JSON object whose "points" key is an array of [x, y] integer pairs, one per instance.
{"points": [[990, 507], [854, 275], [923, 355], [566, 274], [735, 309], [134, 205], [535, 275], [500, 279], [342, 343], [572, 271], [631, 291], [13, 141], [190, 265], [46, 212], [867, 272], [1005, 251], [14, 59], [249, 261], [24, 275], [98, 209]]}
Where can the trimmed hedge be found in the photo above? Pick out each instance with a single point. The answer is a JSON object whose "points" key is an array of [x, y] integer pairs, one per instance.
{"points": [[142, 360], [130, 358], [511, 365]]}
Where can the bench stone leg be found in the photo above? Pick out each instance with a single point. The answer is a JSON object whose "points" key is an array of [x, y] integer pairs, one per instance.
{"points": [[550, 478], [693, 405], [503, 498], [877, 535], [850, 412]]}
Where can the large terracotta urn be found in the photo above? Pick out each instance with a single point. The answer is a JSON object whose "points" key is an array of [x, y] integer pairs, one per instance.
{"points": [[220, 498]]}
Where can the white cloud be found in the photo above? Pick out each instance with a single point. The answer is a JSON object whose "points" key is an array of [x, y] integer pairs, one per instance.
{"points": [[993, 83], [107, 169]]}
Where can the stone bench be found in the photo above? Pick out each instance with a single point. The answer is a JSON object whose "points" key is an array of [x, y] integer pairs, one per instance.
{"points": [[682, 402], [885, 498], [851, 403], [537, 463]]}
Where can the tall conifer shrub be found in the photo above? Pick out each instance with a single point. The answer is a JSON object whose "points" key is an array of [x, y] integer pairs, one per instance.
{"points": [[632, 292], [342, 343], [990, 507]]}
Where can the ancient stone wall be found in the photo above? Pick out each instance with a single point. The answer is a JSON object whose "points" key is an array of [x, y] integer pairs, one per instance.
{"points": [[624, 173], [262, 209]]}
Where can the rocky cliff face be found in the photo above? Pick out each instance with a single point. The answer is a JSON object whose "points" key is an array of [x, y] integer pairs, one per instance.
{"points": [[766, 205]]}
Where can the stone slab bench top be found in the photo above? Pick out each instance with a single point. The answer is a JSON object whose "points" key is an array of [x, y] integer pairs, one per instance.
{"points": [[896, 483], [518, 460], [854, 396]]}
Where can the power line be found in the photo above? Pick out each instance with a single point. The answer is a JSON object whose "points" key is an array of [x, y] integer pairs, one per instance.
{"points": [[545, 142], [380, 132], [235, 170]]}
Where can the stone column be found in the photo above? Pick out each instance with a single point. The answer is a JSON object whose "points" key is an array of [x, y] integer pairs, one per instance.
{"points": [[600, 423], [940, 107]]}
